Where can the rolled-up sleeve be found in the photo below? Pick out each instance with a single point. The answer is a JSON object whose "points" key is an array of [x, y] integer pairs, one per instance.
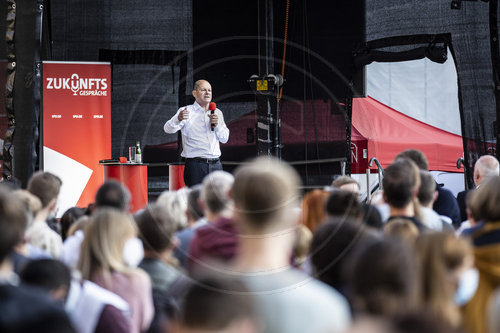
{"points": [[221, 130]]}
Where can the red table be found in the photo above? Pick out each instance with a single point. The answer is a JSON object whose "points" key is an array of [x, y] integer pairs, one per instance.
{"points": [[134, 177]]}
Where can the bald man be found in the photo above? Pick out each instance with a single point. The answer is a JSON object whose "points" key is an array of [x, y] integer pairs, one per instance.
{"points": [[486, 166], [200, 144]]}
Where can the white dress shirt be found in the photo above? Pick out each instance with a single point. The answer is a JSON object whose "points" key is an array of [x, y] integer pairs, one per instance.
{"points": [[198, 139]]}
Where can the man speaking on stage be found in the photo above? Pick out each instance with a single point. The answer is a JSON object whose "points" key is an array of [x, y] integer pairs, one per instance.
{"points": [[202, 127]]}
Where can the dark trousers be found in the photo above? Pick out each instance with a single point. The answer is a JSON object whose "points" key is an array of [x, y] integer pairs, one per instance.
{"points": [[195, 170]]}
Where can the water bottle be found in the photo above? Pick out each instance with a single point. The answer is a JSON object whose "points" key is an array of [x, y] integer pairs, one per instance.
{"points": [[138, 152]]}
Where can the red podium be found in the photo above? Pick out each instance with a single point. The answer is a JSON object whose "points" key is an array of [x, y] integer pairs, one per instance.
{"points": [[175, 176], [134, 177]]}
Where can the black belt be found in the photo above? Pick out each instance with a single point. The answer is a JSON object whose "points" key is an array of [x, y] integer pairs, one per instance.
{"points": [[204, 160]]}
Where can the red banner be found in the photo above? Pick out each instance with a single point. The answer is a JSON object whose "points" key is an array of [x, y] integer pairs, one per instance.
{"points": [[76, 127]]}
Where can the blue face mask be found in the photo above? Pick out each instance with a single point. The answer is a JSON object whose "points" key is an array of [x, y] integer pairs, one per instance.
{"points": [[467, 286]]}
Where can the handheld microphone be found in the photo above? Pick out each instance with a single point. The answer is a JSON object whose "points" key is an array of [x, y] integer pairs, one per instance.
{"points": [[212, 108]]}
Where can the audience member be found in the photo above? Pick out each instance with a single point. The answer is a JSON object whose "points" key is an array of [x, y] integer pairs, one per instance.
{"points": [[371, 216], [109, 253], [265, 193], [113, 194], [445, 204], [195, 219], [45, 186], [50, 275], [443, 262], [347, 183], [68, 218], [313, 209], [401, 229], [301, 245], [218, 240], [486, 166], [383, 279], [331, 248], [176, 203], [427, 194], [22, 309], [401, 182], [343, 203], [218, 305], [485, 236]]}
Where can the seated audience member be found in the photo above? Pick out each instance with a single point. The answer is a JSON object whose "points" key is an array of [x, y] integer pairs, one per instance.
{"points": [[195, 219], [22, 309], [176, 203], [91, 308], [485, 237], [445, 204], [68, 218], [313, 209], [401, 182], [427, 194], [265, 194], [112, 194], [45, 186], [109, 254], [401, 229], [217, 241], [343, 204], [443, 261], [486, 166], [332, 245], [347, 183], [383, 279], [156, 230], [25, 251], [371, 217], [217, 305]]}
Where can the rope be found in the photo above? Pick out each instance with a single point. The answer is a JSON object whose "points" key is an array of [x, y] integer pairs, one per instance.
{"points": [[284, 47]]}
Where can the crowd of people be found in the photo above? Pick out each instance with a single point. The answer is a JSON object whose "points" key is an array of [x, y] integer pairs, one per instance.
{"points": [[248, 252]]}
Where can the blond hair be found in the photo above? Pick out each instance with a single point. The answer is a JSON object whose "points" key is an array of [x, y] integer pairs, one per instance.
{"points": [[102, 247]]}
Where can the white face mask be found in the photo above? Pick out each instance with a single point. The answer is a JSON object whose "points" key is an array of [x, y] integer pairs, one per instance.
{"points": [[467, 286], [133, 252]]}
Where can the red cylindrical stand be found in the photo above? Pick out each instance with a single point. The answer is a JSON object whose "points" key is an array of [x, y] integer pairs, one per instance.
{"points": [[175, 176], [134, 177]]}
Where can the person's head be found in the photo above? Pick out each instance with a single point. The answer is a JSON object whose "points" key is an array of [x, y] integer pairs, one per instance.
{"points": [[401, 182], [302, 244], [215, 192], [484, 201], [103, 246], [68, 218], [112, 194], [346, 183], [427, 193], [313, 208], [382, 278], [13, 222], [442, 259], [402, 229], [49, 275], [416, 156], [486, 166], [265, 192], [371, 216], [175, 202], [45, 186], [156, 230], [218, 305], [343, 203], [332, 245], [31, 202], [202, 92], [194, 211]]}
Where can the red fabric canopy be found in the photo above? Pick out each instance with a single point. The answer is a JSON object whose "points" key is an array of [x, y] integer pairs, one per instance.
{"points": [[388, 132]]}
